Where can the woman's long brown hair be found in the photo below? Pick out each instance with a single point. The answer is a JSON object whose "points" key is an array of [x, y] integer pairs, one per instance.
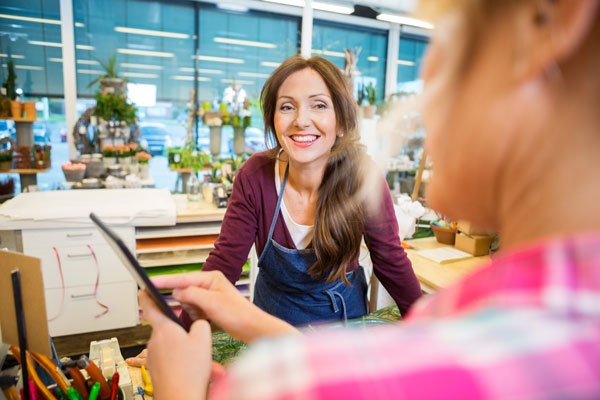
{"points": [[339, 220]]}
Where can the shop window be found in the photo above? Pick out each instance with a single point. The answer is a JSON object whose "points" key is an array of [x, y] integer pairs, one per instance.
{"points": [[330, 40], [410, 57]]}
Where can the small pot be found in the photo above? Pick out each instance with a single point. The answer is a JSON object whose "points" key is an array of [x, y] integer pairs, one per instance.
{"points": [[5, 165], [16, 109], [369, 111], [30, 111]]}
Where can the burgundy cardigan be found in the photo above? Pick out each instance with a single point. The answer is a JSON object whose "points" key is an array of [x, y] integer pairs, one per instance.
{"points": [[250, 213]]}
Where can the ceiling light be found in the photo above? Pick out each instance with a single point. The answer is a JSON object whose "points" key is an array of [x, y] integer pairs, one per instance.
{"points": [[39, 43], [139, 75], [149, 32], [270, 64], [141, 66], [398, 19], [329, 53], [88, 62], [316, 5], [84, 47], [253, 74], [219, 59], [244, 42], [238, 81], [11, 56], [79, 24], [232, 7], [54, 59], [90, 71], [332, 8], [202, 71], [34, 68], [145, 53], [41, 20], [372, 58], [190, 78], [405, 62]]}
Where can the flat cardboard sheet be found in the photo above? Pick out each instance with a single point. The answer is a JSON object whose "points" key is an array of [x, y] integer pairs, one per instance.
{"points": [[34, 302], [444, 255]]}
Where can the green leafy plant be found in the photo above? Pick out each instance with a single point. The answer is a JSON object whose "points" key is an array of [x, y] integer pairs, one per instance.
{"points": [[361, 94], [215, 173], [111, 70], [112, 106], [5, 156], [371, 94], [11, 81]]}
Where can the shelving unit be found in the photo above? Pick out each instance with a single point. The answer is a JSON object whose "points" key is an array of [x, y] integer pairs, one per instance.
{"points": [[24, 133]]}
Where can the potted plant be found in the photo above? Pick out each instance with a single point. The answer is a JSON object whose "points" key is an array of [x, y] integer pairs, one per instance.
{"points": [[109, 155], [371, 108], [110, 82], [16, 107], [214, 180], [143, 158], [5, 160]]}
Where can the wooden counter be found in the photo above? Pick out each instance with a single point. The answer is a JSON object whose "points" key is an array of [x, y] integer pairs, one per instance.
{"points": [[434, 276], [196, 211]]}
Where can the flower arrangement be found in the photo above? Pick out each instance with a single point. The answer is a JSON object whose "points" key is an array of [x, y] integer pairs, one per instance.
{"points": [[142, 157], [123, 150], [109, 151], [134, 148]]}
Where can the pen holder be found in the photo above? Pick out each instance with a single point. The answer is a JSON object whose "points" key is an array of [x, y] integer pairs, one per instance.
{"points": [[444, 235]]}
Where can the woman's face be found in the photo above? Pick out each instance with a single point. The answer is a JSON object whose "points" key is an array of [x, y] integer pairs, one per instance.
{"points": [[305, 120], [468, 114]]}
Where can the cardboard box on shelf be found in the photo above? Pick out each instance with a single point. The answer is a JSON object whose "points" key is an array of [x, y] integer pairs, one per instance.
{"points": [[477, 245], [468, 229]]}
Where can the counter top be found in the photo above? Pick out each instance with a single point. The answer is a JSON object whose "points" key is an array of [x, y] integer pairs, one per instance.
{"points": [[196, 211], [434, 276]]}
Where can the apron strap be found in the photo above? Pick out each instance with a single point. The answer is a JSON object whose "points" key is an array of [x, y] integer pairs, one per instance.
{"points": [[332, 295], [279, 199]]}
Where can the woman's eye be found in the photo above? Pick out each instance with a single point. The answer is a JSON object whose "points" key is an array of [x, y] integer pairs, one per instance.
{"points": [[321, 106], [285, 107]]}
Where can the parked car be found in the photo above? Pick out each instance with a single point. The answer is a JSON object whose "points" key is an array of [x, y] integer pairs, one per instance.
{"points": [[41, 134], [155, 137]]}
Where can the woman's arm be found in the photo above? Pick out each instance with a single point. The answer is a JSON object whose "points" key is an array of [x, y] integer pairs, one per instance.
{"points": [[390, 262]]}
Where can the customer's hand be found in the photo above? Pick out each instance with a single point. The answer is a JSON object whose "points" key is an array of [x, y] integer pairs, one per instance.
{"points": [[179, 362], [138, 360], [210, 295]]}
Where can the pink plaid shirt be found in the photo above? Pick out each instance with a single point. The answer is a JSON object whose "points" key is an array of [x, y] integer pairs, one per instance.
{"points": [[527, 326]]}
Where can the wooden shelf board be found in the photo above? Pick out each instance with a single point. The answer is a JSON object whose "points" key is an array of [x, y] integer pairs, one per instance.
{"points": [[171, 261], [24, 171], [20, 119]]}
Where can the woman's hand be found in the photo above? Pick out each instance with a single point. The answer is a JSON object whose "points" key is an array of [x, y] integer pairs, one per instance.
{"points": [[179, 362], [210, 295]]}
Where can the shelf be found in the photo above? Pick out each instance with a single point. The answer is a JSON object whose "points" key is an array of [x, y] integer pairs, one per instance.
{"points": [[175, 248], [24, 171], [188, 170], [161, 259], [21, 119], [207, 228]]}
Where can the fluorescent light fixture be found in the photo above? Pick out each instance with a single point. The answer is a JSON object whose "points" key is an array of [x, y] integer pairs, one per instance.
{"points": [[79, 25], [88, 62], [31, 67], [332, 8], [90, 71], [244, 42], [201, 71], [399, 19], [270, 64], [405, 62], [50, 44], [149, 32], [219, 59], [142, 94], [139, 75], [55, 59], [373, 58], [84, 47], [190, 78], [238, 81], [30, 19], [12, 55], [253, 74], [145, 53], [141, 66], [317, 6], [232, 7], [329, 53]]}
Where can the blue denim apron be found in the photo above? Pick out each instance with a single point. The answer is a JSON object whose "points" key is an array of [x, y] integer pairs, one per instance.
{"points": [[286, 290]]}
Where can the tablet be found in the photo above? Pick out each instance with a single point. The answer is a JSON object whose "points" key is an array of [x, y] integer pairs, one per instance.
{"points": [[135, 269]]}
